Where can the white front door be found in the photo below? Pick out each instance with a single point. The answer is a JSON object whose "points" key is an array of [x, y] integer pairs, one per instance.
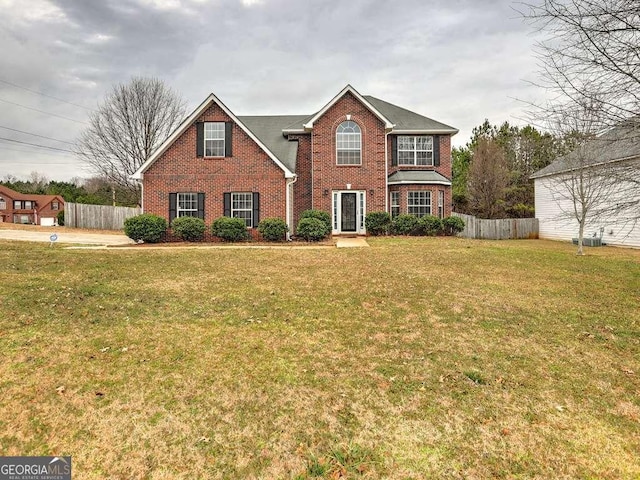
{"points": [[349, 210]]}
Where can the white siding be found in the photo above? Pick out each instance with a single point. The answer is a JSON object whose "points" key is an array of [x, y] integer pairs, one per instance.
{"points": [[555, 224]]}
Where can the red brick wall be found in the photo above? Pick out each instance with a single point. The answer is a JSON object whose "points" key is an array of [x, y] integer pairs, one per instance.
{"points": [[302, 188], [249, 170], [7, 214], [47, 211], [445, 158], [328, 176]]}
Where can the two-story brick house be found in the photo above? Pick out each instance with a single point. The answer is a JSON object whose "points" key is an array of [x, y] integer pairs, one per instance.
{"points": [[357, 154], [18, 207]]}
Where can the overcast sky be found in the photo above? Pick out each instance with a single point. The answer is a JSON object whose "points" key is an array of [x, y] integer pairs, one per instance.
{"points": [[458, 62]]}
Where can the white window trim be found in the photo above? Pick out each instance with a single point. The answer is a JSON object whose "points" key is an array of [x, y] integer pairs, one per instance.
{"points": [[250, 209], [358, 149], [429, 205], [395, 194], [441, 203], [361, 211], [179, 210], [3, 204], [415, 151], [224, 146]]}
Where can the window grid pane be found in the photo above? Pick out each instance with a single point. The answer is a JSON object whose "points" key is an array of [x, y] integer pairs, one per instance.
{"points": [[395, 204], [242, 207], [214, 139], [348, 143], [415, 150], [419, 203], [187, 205]]}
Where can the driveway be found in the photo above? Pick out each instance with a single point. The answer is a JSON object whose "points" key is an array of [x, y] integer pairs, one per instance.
{"points": [[65, 237]]}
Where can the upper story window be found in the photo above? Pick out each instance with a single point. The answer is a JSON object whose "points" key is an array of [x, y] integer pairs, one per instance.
{"points": [[17, 205], [349, 143], [415, 150], [214, 139], [55, 205], [28, 205], [3, 204]]}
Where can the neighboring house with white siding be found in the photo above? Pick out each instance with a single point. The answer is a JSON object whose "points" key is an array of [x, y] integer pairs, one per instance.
{"points": [[607, 173]]}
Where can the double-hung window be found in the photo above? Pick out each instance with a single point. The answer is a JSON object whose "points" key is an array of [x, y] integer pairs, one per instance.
{"points": [[415, 150], [3, 204], [348, 144], [419, 203], [242, 207], [55, 205], [187, 205], [17, 205], [395, 204], [441, 203], [214, 139]]}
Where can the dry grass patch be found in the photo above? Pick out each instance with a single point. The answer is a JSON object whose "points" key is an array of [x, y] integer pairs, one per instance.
{"points": [[429, 357]]}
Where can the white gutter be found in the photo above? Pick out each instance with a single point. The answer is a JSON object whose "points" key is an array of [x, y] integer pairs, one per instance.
{"points": [[289, 203]]}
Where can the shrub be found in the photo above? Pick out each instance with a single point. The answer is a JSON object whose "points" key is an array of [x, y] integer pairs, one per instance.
{"points": [[190, 229], [273, 229], [321, 215], [230, 229], [377, 223], [312, 229], [145, 227], [452, 225], [60, 218], [430, 225], [404, 224]]}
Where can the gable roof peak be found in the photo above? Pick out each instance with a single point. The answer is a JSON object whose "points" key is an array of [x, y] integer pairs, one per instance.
{"points": [[349, 89]]}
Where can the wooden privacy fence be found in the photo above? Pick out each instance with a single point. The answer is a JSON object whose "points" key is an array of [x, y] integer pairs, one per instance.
{"points": [[102, 217], [501, 229]]}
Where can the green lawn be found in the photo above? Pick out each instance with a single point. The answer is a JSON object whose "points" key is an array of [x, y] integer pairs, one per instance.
{"points": [[415, 358]]}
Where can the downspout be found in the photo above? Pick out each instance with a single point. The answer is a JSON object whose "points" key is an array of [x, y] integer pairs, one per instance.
{"points": [[289, 204], [386, 173]]}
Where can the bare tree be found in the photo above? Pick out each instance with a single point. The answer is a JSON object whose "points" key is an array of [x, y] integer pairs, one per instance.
{"points": [[591, 55], [134, 119], [488, 178]]}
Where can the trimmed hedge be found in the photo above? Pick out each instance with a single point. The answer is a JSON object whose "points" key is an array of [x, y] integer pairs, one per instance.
{"points": [[273, 229], [230, 229], [377, 223], [145, 227], [189, 229], [405, 224], [452, 225], [321, 215], [430, 225], [312, 229]]}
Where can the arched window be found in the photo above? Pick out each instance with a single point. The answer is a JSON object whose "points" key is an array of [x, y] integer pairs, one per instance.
{"points": [[349, 143], [3, 203]]}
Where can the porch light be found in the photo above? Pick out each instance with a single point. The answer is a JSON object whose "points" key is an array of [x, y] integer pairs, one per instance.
{"points": [[371, 192], [326, 193]]}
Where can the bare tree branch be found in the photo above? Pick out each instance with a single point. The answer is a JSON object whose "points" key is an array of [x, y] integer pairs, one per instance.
{"points": [[133, 121]]}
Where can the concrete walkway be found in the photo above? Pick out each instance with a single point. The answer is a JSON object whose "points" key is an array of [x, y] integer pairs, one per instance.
{"points": [[64, 237], [354, 242]]}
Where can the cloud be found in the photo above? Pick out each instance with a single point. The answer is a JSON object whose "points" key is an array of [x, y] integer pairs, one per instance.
{"points": [[457, 62]]}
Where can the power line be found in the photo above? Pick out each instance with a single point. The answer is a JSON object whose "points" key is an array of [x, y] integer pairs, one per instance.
{"points": [[42, 111], [46, 95], [36, 135], [8, 148], [36, 145]]}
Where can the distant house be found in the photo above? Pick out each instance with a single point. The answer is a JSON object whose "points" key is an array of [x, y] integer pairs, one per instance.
{"points": [[607, 169], [356, 154], [29, 208]]}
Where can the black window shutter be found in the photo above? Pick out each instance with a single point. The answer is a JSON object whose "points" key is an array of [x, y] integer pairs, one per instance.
{"points": [[173, 197], [394, 151], [227, 204], [201, 206], [228, 128], [436, 150], [256, 209], [200, 139]]}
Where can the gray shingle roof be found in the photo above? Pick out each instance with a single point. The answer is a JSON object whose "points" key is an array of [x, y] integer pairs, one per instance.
{"points": [[406, 119], [269, 128], [616, 144], [418, 176]]}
